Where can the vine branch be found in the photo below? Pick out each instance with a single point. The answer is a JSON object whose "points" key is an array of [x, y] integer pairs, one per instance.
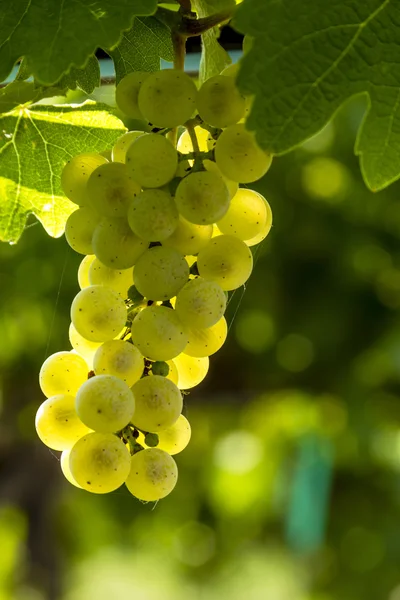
{"points": [[186, 25]]}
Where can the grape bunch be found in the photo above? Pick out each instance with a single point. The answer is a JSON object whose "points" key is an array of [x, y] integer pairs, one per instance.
{"points": [[166, 232]]}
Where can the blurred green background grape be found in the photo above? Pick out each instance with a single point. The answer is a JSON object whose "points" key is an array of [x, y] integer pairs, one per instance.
{"points": [[290, 487]]}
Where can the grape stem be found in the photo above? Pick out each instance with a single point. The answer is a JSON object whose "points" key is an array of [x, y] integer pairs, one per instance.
{"points": [[187, 25]]}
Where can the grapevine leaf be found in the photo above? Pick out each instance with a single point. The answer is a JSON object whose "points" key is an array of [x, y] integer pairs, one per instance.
{"points": [[213, 57], [142, 46], [308, 58], [55, 34], [87, 79], [35, 144]]}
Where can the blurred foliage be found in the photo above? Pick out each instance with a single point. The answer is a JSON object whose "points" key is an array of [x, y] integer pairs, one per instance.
{"points": [[289, 489]]}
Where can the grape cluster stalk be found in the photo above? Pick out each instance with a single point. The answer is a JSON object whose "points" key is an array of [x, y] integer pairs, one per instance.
{"points": [[166, 232]]}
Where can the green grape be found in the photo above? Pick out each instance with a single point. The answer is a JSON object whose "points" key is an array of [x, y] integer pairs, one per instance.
{"points": [[153, 215], [158, 333], [158, 403], [246, 216], [151, 160], [160, 367], [239, 157], [115, 245], [200, 303], [64, 464], [167, 98], [175, 439], [232, 186], [227, 261], [83, 347], [191, 370], [120, 359], [122, 144], [219, 101], [153, 475], [99, 462], [202, 198], [118, 280], [205, 342], [160, 273], [57, 423], [230, 70], [83, 271], [105, 403], [189, 238], [98, 313], [62, 373], [185, 143], [110, 189], [76, 173], [79, 229], [265, 230], [127, 91]]}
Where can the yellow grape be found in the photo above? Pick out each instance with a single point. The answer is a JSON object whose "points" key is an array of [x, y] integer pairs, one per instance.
{"points": [[105, 403], [191, 370], [121, 359], [227, 261], [153, 475], [99, 462], [158, 403], [246, 216], [57, 423], [83, 347], [75, 174], [83, 271], [62, 373], [205, 342], [98, 313], [127, 91]]}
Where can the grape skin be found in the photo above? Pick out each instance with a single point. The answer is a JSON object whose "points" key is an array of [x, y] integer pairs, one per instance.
{"points": [[200, 303], [246, 216], [64, 464], [98, 313], [158, 403], [232, 186], [83, 347], [153, 216], [189, 238], [99, 462], [151, 160], [110, 189], [105, 403], [174, 439], [118, 280], [227, 261], [191, 370], [75, 174], [185, 145], [265, 230], [62, 373], [160, 273], [115, 244], [158, 333], [219, 102], [239, 157], [202, 198], [83, 271], [122, 144], [79, 229], [205, 342], [153, 475], [120, 359], [57, 423], [167, 98], [127, 91]]}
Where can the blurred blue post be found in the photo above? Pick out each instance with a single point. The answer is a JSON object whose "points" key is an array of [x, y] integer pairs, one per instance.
{"points": [[308, 503]]}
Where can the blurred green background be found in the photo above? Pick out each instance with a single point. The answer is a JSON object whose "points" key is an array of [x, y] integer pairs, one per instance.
{"points": [[290, 488]]}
